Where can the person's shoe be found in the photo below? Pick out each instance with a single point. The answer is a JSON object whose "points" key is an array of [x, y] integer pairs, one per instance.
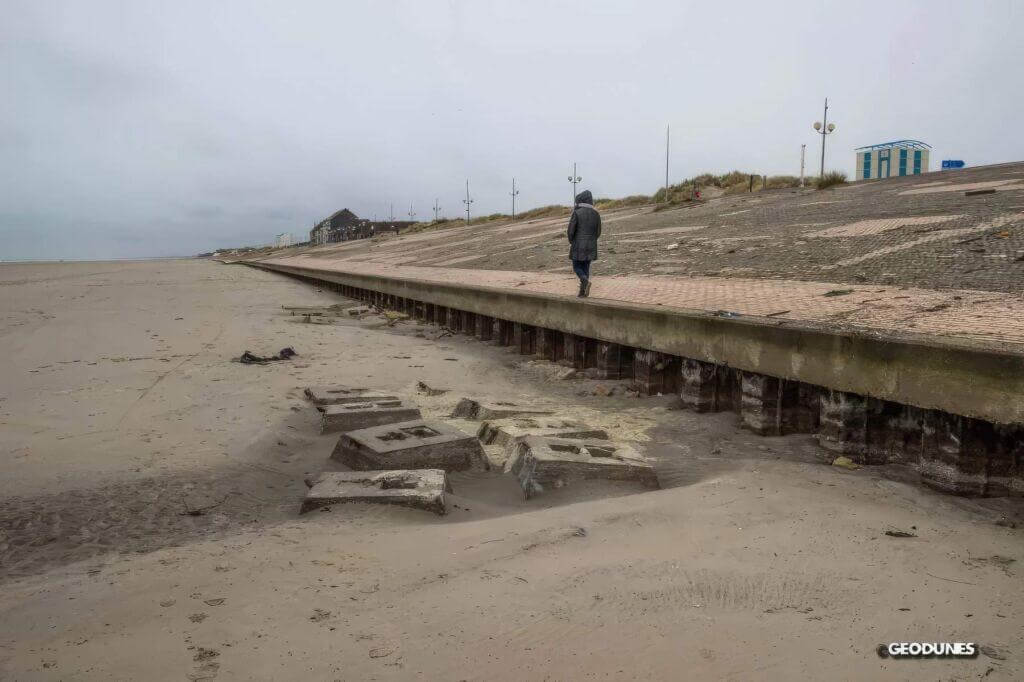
{"points": [[586, 288], [583, 289]]}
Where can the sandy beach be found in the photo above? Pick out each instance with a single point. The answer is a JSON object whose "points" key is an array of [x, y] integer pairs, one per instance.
{"points": [[121, 411]]}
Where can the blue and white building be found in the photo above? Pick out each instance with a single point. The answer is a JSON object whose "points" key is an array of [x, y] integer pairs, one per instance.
{"points": [[892, 159]]}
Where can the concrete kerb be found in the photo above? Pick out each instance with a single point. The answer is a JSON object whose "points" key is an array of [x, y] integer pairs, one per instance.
{"points": [[954, 375]]}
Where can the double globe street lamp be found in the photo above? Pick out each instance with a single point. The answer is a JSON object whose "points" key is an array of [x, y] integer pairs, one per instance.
{"points": [[574, 179], [823, 128]]}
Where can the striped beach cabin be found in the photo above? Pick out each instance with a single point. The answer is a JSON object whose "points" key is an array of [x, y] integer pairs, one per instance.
{"points": [[892, 159]]}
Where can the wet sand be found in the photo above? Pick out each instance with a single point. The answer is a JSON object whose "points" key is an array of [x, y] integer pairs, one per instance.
{"points": [[121, 410]]}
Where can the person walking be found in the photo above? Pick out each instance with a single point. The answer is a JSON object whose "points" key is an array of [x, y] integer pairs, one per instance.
{"points": [[584, 229]]}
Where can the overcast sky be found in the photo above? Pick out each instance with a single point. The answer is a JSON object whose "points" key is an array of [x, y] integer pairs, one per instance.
{"points": [[137, 128]]}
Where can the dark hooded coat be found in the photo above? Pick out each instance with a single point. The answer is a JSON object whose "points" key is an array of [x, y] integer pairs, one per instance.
{"points": [[584, 228]]}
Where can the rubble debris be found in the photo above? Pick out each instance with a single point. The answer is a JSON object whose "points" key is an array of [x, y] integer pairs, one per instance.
{"points": [[353, 416], [248, 358], [424, 388], [896, 533], [419, 489], [340, 395], [978, 192], [408, 445], [545, 463], [480, 410], [358, 311]]}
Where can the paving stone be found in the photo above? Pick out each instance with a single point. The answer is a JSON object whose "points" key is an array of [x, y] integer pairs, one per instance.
{"points": [[419, 488], [414, 444], [339, 395], [353, 416], [545, 463], [472, 408]]}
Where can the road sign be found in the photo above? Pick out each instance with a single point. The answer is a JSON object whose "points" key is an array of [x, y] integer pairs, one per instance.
{"points": [[952, 163]]}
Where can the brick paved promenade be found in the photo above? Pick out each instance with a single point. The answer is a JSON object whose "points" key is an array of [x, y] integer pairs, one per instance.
{"points": [[994, 318], [905, 255]]}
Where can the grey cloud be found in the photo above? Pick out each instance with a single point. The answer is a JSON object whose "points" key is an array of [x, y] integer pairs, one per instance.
{"points": [[156, 128]]}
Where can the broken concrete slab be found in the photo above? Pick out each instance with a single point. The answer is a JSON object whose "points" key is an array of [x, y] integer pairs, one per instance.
{"points": [[339, 395], [415, 444], [472, 408], [507, 431], [362, 415], [546, 463], [419, 489]]}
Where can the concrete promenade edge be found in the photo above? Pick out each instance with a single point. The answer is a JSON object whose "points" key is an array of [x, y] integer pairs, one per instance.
{"points": [[967, 375]]}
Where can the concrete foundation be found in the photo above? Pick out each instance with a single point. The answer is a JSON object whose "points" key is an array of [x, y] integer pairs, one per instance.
{"points": [[507, 432], [353, 416], [408, 445], [339, 395], [471, 408], [547, 463], [419, 489]]}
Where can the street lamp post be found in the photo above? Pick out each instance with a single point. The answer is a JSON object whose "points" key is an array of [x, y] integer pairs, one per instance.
{"points": [[467, 201], [574, 179], [803, 148], [824, 128], [514, 193]]}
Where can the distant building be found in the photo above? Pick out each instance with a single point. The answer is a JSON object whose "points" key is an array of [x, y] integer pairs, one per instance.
{"points": [[283, 239], [889, 159], [344, 225], [337, 227]]}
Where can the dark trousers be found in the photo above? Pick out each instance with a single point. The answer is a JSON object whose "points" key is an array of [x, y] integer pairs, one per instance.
{"points": [[582, 269]]}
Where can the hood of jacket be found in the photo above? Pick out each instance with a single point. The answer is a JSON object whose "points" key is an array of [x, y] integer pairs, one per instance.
{"points": [[584, 197]]}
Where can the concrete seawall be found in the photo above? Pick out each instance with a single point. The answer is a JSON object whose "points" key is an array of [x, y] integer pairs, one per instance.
{"points": [[951, 408]]}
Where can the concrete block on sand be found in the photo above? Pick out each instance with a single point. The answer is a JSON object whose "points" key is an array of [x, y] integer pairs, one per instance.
{"points": [[544, 463], [472, 408], [507, 432], [339, 395], [408, 445], [353, 416], [420, 489]]}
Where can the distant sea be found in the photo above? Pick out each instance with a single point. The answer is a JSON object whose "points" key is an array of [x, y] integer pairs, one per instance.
{"points": [[44, 261]]}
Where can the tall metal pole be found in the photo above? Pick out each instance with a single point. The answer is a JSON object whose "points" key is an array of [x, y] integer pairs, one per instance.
{"points": [[824, 133], [514, 193], [467, 201], [411, 213], [666, 164], [574, 179], [437, 208], [803, 148]]}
